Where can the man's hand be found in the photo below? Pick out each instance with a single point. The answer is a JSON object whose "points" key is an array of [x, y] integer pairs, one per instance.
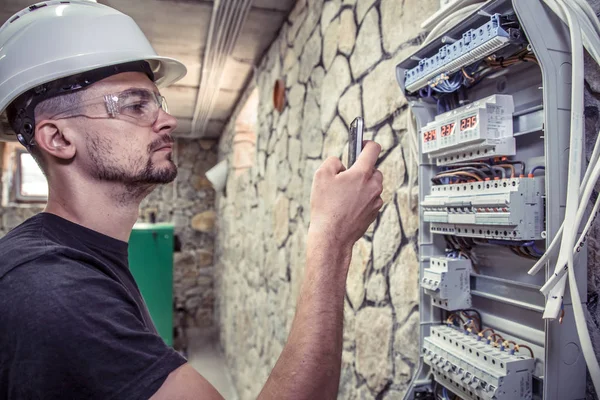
{"points": [[345, 202]]}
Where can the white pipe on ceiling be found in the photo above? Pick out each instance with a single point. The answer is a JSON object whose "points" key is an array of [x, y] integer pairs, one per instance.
{"points": [[226, 23]]}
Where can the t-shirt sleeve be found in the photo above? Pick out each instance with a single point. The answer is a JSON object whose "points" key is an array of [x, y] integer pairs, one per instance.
{"points": [[77, 333]]}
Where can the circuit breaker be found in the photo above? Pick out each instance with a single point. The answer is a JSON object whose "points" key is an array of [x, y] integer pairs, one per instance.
{"points": [[447, 281], [492, 98]]}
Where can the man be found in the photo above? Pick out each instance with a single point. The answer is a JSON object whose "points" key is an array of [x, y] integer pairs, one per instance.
{"points": [[78, 83]]}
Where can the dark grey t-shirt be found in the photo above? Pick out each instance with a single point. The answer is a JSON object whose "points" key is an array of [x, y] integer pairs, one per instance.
{"points": [[73, 324]]}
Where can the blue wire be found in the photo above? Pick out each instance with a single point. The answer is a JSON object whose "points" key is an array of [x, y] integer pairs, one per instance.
{"points": [[536, 168], [536, 250], [511, 243], [445, 394]]}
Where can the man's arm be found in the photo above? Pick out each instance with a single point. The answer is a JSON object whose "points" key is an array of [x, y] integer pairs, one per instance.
{"points": [[343, 205]]}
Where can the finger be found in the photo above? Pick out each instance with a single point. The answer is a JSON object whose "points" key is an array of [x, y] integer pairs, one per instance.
{"points": [[369, 155], [378, 176], [333, 165], [378, 203]]}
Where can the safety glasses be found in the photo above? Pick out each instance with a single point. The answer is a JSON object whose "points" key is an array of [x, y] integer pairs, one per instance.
{"points": [[137, 105]]}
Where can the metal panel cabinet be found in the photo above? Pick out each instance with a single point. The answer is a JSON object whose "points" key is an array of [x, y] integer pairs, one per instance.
{"points": [[151, 263]]}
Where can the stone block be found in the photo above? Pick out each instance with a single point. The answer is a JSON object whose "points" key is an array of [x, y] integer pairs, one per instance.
{"points": [[394, 172], [404, 281], [311, 55], [376, 288], [330, 42], [349, 106], [373, 337], [281, 222], [311, 135], [346, 32], [387, 238], [409, 17], [204, 222], [336, 81], [381, 93], [367, 51], [336, 139], [330, 9], [405, 347], [408, 205], [362, 7], [204, 257], [355, 283]]}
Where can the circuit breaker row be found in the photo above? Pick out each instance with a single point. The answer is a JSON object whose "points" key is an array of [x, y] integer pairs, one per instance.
{"points": [[467, 365], [506, 209]]}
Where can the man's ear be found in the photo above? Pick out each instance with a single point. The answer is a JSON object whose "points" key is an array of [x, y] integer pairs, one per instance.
{"points": [[52, 138]]}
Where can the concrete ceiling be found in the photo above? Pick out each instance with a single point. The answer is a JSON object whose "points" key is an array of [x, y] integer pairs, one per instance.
{"points": [[180, 29]]}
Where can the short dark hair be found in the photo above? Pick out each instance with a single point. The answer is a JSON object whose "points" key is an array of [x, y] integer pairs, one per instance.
{"points": [[49, 108]]}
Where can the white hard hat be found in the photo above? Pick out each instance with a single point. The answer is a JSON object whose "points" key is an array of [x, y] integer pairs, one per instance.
{"points": [[79, 39]]}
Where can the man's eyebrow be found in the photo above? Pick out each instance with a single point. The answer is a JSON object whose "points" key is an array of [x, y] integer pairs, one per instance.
{"points": [[140, 91]]}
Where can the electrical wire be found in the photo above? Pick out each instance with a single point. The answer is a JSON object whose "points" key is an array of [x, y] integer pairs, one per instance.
{"points": [[555, 296], [474, 170], [450, 21], [584, 29], [518, 347], [460, 173], [514, 162], [445, 393], [486, 330], [510, 167]]}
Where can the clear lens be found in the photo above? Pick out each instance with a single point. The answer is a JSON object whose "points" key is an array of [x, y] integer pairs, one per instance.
{"points": [[139, 106]]}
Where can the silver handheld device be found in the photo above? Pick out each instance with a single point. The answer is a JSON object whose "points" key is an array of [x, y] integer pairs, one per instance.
{"points": [[356, 140]]}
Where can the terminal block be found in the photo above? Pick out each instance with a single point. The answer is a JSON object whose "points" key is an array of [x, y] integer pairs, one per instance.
{"points": [[447, 282], [474, 45], [469, 366], [504, 209], [480, 130]]}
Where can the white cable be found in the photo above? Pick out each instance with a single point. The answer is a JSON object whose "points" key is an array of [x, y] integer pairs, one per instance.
{"points": [[588, 224], [575, 173], [450, 21], [577, 222], [575, 149]]}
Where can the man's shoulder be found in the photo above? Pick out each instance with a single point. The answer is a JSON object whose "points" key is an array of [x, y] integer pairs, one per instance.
{"points": [[50, 280], [24, 243]]}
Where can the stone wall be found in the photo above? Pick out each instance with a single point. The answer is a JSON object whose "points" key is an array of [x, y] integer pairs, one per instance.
{"points": [[189, 203], [337, 59]]}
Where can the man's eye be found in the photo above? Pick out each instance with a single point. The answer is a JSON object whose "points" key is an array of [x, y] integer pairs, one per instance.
{"points": [[139, 107]]}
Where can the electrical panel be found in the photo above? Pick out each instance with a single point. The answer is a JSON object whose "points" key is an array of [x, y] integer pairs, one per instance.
{"points": [[447, 282], [477, 131], [477, 368], [493, 144], [503, 209]]}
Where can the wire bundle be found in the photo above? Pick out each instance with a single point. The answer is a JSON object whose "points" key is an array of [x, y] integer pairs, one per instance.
{"points": [[584, 29], [471, 324], [481, 171]]}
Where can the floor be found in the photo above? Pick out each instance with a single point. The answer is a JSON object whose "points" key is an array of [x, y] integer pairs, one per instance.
{"points": [[205, 356]]}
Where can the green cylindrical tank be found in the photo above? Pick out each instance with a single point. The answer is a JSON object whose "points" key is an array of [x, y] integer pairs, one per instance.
{"points": [[151, 264]]}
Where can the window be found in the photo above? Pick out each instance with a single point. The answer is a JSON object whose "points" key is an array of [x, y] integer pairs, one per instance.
{"points": [[22, 179], [31, 184], [244, 140]]}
